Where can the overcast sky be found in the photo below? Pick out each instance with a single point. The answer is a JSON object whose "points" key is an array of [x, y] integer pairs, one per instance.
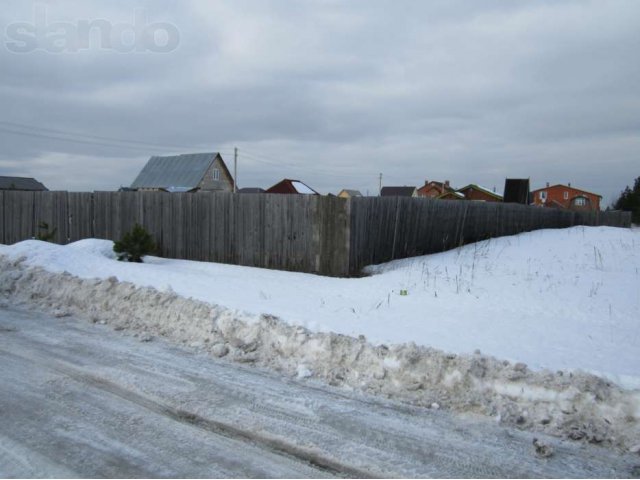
{"points": [[330, 92]]}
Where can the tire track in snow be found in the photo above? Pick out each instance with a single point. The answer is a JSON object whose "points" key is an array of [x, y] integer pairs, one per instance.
{"points": [[216, 427]]}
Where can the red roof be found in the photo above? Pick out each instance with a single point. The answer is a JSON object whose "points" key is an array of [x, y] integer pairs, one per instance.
{"points": [[292, 187]]}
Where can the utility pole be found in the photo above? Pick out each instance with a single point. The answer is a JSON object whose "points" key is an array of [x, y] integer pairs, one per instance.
{"points": [[235, 170], [380, 189]]}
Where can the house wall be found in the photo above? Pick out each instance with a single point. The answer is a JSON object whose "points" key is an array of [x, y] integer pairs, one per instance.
{"points": [[433, 189], [556, 193], [225, 184], [283, 187]]}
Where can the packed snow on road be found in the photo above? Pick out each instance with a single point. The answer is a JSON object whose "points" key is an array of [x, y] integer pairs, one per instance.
{"points": [[82, 400], [538, 330]]}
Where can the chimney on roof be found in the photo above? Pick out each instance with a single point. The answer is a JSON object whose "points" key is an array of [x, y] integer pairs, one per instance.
{"points": [[446, 184], [569, 183], [547, 184]]}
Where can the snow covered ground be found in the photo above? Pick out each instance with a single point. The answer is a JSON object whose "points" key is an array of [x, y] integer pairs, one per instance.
{"points": [[556, 299], [508, 328]]}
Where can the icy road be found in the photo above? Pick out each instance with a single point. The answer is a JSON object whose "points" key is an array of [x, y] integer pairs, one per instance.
{"points": [[78, 399]]}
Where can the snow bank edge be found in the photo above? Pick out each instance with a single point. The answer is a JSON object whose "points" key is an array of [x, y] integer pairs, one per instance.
{"points": [[575, 405]]}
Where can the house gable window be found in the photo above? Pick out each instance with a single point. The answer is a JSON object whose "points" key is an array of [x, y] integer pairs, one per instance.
{"points": [[216, 174], [566, 195], [543, 195]]}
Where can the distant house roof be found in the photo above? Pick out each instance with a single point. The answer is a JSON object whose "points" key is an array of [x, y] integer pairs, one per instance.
{"points": [[350, 193], [451, 196], [559, 185], [441, 187], [480, 188], [251, 190], [21, 183], [177, 172], [292, 186], [516, 190], [398, 191]]}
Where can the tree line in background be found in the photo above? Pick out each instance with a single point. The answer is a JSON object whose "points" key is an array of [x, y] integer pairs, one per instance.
{"points": [[629, 201]]}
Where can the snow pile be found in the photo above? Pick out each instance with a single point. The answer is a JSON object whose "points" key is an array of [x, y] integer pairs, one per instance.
{"points": [[556, 299], [576, 405]]}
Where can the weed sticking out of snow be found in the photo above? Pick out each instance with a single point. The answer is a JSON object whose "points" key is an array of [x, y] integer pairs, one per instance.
{"points": [[575, 405]]}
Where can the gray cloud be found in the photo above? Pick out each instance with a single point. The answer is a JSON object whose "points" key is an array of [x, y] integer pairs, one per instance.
{"points": [[334, 93]]}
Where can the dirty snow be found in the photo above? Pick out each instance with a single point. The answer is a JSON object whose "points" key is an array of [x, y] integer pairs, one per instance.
{"points": [[556, 299], [119, 408], [552, 299]]}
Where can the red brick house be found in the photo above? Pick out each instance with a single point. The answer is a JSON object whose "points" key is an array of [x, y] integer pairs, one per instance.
{"points": [[292, 187], [476, 192], [567, 197], [434, 189]]}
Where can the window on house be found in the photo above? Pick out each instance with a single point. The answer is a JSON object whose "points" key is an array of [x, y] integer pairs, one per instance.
{"points": [[566, 195], [216, 174], [543, 195], [580, 201]]}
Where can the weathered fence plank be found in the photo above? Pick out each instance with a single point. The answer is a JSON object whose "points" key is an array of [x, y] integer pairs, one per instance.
{"points": [[2, 240], [151, 215], [81, 218], [51, 216], [18, 216]]}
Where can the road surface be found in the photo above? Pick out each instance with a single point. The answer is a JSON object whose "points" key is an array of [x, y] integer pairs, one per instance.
{"points": [[80, 400]]}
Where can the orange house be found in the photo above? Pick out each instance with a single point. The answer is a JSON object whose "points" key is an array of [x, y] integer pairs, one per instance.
{"points": [[567, 197], [434, 189]]}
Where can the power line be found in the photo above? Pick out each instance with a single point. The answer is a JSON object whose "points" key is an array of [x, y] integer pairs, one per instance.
{"points": [[85, 142], [261, 159], [14, 128], [82, 138], [86, 135]]}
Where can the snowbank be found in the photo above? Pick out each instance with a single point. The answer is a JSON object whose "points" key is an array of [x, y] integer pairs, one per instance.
{"points": [[556, 299], [575, 405]]}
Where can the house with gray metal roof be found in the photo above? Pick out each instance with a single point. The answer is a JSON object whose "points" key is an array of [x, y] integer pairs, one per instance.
{"points": [[185, 173], [22, 184]]}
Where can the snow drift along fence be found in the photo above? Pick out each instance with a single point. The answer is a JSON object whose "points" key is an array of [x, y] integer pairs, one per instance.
{"points": [[326, 235], [386, 228]]}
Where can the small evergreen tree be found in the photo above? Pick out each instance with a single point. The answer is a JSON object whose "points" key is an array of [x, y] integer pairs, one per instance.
{"points": [[134, 245], [629, 201], [44, 234]]}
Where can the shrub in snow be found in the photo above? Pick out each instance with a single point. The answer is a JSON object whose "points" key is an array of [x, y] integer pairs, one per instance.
{"points": [[134, 245], [44, 234]]}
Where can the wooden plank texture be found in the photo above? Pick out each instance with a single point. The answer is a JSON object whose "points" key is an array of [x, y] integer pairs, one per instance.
{"points": [[80, 211], [2, 240], [18, 216], [325, 235], [51, 216]]}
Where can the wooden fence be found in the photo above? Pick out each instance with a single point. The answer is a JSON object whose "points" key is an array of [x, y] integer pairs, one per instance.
{"points": [[315, 234], [384, 228]]}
